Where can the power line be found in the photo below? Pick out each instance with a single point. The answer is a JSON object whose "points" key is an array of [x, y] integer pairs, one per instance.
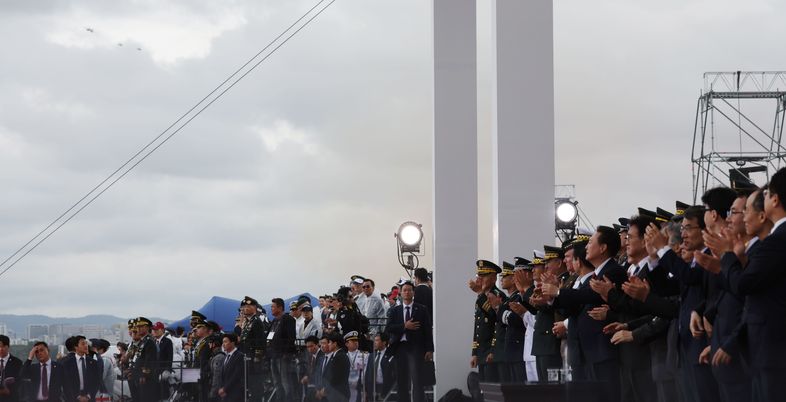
{"points": [[167, 138]]}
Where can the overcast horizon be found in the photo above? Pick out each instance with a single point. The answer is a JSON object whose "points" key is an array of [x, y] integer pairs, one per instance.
{"points": [[299, 176]]}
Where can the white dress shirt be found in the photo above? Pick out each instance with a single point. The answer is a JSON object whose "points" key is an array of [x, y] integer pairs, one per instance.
{"points": [[79, 369], [778, 223], [48, 365], [600, 267], [404, 316]]}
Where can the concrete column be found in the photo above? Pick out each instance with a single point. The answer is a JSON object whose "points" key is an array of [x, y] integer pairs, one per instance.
{"points": [[455, 187], [522, 127]]}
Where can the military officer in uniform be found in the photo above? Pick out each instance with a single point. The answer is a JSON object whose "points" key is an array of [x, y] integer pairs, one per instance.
{"points": [[514, 321], [252, 330], [496, 360], [545, 345], [485, 318], [144, 373]]}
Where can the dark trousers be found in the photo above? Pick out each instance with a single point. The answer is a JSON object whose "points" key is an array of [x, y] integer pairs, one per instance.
{"points": [[706, 385], [409, 371], [516, 372], [668, 391], [731, 391], [768, 385], [282, 371], [608, 374], [637, 385], [546, 362]]}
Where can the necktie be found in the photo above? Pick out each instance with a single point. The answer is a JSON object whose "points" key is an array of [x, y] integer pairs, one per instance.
{"points": [[324, 364], [377, 359], [44, 382], [82, 374], [407, 315], [2, 367]]}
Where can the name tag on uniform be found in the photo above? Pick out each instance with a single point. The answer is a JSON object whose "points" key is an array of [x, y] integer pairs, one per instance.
{"points": [[270, 336]]}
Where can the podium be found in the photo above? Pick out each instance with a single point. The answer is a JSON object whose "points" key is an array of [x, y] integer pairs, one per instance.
{"points": [[577, 391]]}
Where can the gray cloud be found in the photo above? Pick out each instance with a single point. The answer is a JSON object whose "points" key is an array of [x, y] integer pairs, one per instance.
{"points": [[299, 176]]}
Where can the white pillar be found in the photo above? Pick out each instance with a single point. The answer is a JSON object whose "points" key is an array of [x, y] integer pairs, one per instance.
{"points": [[522, 127], [455, 187]]}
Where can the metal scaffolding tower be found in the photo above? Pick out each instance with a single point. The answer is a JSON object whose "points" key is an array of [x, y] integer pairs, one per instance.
{"points": [[729, 141]]}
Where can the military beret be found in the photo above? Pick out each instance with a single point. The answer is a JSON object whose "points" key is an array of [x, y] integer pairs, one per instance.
{"points": [[485, 267]]}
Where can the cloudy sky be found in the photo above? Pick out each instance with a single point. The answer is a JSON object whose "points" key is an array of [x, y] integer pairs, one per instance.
{"points": [[299, 176]]}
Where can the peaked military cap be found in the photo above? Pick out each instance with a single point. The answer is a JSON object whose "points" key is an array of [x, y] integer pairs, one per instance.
{"points": [[521, 263], [663, 214], [351, 336], [624, 222], [507, 268], [552, 252], [249, 301], [650, 214], [197, 314], [142, 321], [537, 257], [485, 267], [357, 279], [681, 207]]}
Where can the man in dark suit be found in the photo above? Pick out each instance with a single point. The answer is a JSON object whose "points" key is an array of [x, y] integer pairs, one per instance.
{"points": [[599, 355], [281, 350], [409, 326], [10, 366], [695, 380], [335, 372], [164, 356], [381, 372], [763, 282], [46, 376], [82, 374], [232, 374], [423, 294], [307, 366]]}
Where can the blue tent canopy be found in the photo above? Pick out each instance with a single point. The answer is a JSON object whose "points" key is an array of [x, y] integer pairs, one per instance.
{"points": [[224, 310]]}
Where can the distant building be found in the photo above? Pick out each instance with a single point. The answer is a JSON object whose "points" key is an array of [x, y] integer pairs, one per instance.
{"points": [[37, 331], [4, 329]]}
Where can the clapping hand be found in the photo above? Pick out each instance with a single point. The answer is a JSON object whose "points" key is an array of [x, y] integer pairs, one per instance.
{"points": [[599, 313], [602, 287], [710, 263], [636, 288]]}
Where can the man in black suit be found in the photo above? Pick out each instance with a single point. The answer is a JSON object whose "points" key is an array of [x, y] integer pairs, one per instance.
{"points": [[695, 380], [599, 355], [307, 366], [281, 350], [381, 372], [409, 326], [165, 355], [335, 372], [232, 374], [763, 282], [10, 366], [46, 376], [82, 375], [423, 293]]}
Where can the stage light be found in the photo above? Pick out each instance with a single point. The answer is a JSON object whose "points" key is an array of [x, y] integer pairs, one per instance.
{"points": [[566, 211], [410, 235]]}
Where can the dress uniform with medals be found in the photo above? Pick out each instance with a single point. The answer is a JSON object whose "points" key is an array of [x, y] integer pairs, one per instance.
{"points": [[545, 346], [252, 340], [485, 321], [358, 360], [145, 365], [516, 330], [128, 363], [499, 362], [196, 318]]}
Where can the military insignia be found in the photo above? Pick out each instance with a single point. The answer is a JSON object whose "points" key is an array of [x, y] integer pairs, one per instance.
{"points": [[480, 264]]}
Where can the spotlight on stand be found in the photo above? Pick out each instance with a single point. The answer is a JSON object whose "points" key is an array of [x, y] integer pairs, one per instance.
{"points": [[566, 217], [409, 238]]}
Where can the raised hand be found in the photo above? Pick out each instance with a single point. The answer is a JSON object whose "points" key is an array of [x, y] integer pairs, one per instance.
{"points": [[710, 263], [602, 287], [636, 288], [599, 313]]}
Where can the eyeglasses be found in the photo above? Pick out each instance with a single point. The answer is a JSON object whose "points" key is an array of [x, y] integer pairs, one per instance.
{"points": [[688, 228], [732, 212]]}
